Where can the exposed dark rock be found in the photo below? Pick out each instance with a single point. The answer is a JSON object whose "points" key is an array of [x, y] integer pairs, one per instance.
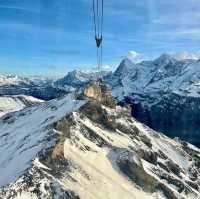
{"points": [[170, 114], [149, 156], [167, 192], [127, 130], [64, 126], [95, 112], [162, 155], [193, 184], [171, 180], [146, 140], [173, 167], [193, 174], [163, 166]]}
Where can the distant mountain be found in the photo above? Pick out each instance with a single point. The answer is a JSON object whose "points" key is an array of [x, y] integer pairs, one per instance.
{"points": [[15, 103], [164, 75], [76, 79], [164, 93], [17, 80], [37, 87], [46, 88], [88, 149]]}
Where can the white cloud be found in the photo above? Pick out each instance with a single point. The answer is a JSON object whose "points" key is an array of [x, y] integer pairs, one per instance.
{"points": [[107, 68], [134, 56], [186, 55]]}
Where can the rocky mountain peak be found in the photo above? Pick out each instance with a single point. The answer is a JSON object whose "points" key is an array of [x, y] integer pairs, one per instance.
{"points": [[124, 66], [126, 61], [165, 59], [100, 92]]}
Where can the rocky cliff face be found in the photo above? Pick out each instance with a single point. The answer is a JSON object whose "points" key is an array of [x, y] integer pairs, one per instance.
{"points": [[95, 151], [177, 116]]}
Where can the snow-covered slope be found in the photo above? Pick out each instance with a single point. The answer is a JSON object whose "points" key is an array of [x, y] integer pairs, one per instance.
{"points": [[15, 103], [93, 152], [23, 134]]}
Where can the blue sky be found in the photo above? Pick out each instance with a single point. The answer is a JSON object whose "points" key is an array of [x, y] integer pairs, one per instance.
{"points": [[51, 37]]}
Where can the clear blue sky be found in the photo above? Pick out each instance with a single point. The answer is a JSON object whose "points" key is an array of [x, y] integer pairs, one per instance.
{"points": [[51, 37]]}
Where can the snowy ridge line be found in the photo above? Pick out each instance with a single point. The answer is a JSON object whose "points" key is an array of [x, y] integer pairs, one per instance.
{"points": [[26, 141]]}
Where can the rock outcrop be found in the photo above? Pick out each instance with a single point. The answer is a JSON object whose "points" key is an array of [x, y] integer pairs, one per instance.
{"points": [[100, 92]]}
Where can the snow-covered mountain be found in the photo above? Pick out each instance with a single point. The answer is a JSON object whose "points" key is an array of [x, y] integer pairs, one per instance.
{"points": [[77, 78], [10, 79], [164, 93], [15, 103], [47, 88], [17, 80], [84, 149], [164, 75], [38, 87]]}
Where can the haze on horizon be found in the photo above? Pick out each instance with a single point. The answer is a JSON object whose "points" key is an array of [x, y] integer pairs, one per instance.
{"points": [[47, 37]]}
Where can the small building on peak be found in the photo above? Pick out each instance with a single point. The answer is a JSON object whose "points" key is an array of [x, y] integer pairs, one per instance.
{"points": [[100, 92]]}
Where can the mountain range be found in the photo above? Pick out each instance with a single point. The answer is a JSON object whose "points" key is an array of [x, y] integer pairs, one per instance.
{"points": [[163, 93], [37, 87]]}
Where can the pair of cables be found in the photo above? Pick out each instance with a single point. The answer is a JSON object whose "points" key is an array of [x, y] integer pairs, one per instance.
{"points": [[98, 15]]}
